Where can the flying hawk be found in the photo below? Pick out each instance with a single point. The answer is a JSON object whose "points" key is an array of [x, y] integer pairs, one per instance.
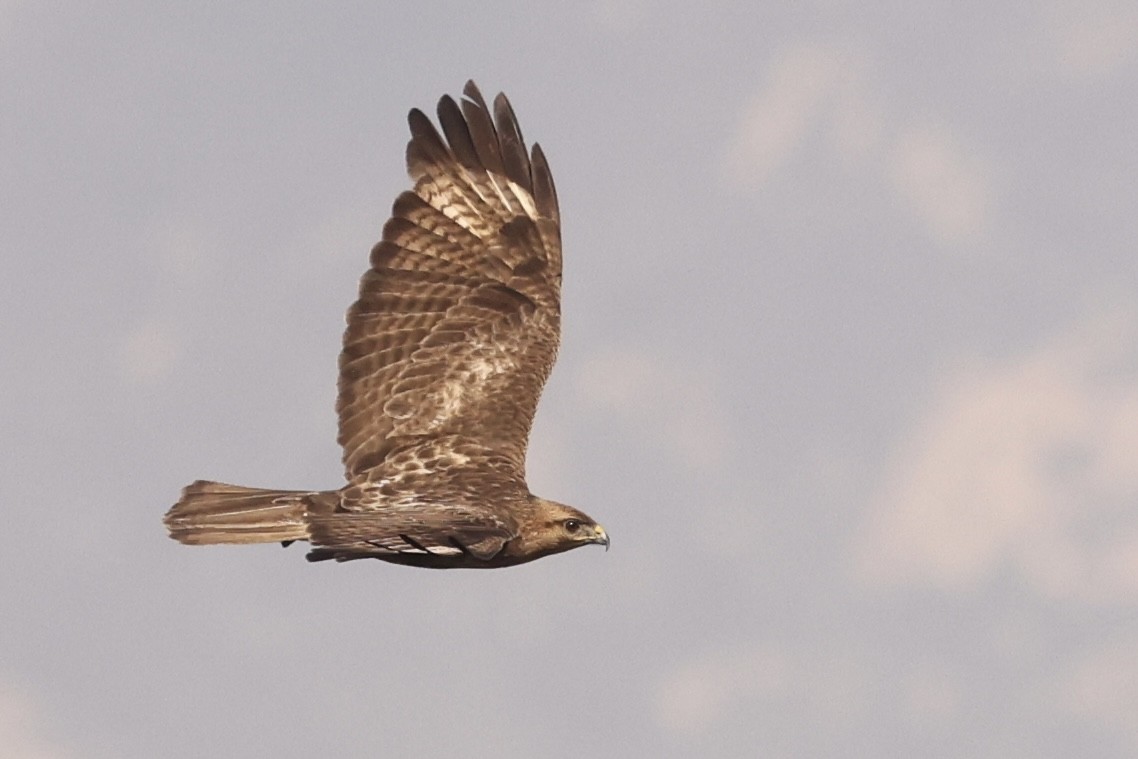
{"points": [[445, 354]]}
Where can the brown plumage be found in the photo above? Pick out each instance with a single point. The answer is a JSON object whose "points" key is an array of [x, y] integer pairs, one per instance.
{"points": [[444, 358]]}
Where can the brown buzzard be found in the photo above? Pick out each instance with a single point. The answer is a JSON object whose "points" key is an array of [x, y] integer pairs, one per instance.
{"points": [[444, 358]]}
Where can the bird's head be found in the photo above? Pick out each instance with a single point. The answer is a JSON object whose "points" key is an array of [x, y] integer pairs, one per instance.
{"points": [[553, 527]]}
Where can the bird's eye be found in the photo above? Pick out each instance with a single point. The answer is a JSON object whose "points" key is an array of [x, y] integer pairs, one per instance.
{"points": [[572, 525]]}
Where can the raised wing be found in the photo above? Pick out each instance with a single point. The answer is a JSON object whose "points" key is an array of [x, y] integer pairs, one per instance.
{"points": [[458, 320]]}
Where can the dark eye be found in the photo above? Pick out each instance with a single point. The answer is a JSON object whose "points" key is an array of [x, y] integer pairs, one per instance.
{"points": [[572, 525]]}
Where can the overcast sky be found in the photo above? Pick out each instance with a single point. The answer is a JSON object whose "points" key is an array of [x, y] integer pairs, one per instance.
{"points": [[849, 374]]}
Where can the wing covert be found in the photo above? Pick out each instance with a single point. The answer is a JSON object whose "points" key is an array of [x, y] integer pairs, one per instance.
{"points": [[457, 322]]}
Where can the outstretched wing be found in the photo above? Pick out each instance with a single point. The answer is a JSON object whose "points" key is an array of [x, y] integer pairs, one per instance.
{"points": [[458, 320]]}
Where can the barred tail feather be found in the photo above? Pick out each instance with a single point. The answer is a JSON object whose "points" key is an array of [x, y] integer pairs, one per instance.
{"points": [[214, 512]]}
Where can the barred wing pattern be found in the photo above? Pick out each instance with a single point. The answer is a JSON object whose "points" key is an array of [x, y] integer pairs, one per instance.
{"points": [[458, 319], [445, 355]]}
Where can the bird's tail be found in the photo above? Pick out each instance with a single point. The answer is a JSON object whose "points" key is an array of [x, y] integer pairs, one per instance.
{"points": [[213, 512]]}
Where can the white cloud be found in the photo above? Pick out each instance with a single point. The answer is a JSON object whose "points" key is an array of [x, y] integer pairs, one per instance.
{"points": [[946, 185], [676, 413], [692, 697], [933, 693], [1092, 40], [21, 730], [678, 402], [737, 684], [806, 85], [824, 96], [148, 352], [1027, 463], [1102, 689]]}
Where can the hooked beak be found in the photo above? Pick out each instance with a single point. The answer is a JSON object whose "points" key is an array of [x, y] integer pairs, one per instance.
{"points": [[601, 537]]}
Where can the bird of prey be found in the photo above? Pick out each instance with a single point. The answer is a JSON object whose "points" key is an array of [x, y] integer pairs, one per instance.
{"points": [[444, 358]]}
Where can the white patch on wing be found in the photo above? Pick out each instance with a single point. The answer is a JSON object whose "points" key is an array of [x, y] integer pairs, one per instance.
{"points": [[451, 403], [456, 459], [525, 199], [405, 546], [494, 179], [454, 202], [484, 368], [489, 361], [473, 183]]}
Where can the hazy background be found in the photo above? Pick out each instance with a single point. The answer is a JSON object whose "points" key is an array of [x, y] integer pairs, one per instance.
{"points": [[849, 374]]}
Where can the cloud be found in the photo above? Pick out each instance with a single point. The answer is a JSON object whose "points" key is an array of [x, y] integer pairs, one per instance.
{"points": [[1029, 463], [947, 187], [147, 353], [694, 695], [21, 730], [805, 85], [1091, 40], [823, 96], [673, 412], [679, 404], [1101, 689], [737, 684], [933, 693]]}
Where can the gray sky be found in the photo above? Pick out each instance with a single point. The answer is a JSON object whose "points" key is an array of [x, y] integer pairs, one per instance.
{"points": [[848, 373]]}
